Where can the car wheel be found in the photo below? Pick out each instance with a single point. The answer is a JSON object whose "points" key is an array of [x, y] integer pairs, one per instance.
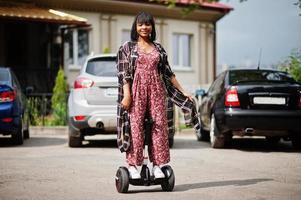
{"points": [[74, 141], [26, 134], [216, 140], [18, 137], [203, 135], [26, 131], [296, 141]]}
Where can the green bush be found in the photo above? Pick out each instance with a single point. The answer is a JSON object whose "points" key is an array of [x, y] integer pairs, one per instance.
{"points": [[33, 106], [59, 100]]}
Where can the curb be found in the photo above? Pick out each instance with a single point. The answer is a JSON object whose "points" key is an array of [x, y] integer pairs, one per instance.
{"points": [[186, 131], [63, 130], [48, 130]]}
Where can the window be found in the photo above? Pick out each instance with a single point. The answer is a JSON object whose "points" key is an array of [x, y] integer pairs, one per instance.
{"points": [[247, 76], [125, 36], [102, 67], [4, 76], [217, 85], [76, 46], [181, 50]]}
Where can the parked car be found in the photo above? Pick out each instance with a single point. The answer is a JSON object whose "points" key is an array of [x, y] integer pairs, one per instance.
{"points": [[251, 103], [13, 116], [92, 101]]}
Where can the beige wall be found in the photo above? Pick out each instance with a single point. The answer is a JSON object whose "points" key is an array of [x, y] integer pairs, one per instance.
{"points": [[107, 33], [206, 58], [187, 77], [95, 33]]}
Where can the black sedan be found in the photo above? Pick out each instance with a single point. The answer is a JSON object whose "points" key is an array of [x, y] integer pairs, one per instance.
{"points": [[251, 103]]}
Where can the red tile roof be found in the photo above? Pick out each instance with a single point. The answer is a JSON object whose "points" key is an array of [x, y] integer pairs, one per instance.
{"points": [[205, 4]]}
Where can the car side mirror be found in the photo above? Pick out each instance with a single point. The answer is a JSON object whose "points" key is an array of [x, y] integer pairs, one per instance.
{"points": [[200, 93]]}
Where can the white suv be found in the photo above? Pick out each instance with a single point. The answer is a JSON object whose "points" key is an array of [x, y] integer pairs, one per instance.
{"points": [[92, 100]]}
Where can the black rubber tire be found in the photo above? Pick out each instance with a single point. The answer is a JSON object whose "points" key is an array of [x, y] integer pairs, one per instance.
{"points": [[296, 141], [18, 137], [203, 135], [26, 134], [216, 139], [72, 140], [26, 123], [75, 141], [122, 180], [169, 183]]}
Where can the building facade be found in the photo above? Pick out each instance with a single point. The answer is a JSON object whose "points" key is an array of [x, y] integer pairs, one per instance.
{"points": [[190, 40]]}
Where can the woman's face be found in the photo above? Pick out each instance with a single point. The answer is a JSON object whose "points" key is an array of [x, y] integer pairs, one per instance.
{"points": [[144, 29]]}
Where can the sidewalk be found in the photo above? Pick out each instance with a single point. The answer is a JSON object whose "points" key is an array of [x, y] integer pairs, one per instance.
{"points": [[63, 130], [48, 130]]}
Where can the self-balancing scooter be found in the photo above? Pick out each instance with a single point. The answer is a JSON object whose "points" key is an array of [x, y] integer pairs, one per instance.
{"points": [[123, 179]]}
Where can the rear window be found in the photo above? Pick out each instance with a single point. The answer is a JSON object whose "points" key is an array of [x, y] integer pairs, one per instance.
{"points": [[259, 76], [102, 66], [4, 77]]}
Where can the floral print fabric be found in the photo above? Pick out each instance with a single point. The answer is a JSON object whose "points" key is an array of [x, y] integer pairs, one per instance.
{"points": [[148, 94]]}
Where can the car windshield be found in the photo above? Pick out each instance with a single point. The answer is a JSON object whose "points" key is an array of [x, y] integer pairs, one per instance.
{"points": [[105, 66], [240, 76]]}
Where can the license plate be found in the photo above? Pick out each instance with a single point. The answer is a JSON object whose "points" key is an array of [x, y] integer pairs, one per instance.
{"points": [[111, 92], [269, 100]]}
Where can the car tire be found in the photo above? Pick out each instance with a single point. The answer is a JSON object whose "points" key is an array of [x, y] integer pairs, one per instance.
{"points": [[74, 141], [216, 139], [26, 131], [203, 135], [296, 141], [26, 134], [18, 137]]}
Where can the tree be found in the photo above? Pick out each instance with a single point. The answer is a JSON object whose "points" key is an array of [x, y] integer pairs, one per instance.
{"points": [[293, 64], [59, 99]]}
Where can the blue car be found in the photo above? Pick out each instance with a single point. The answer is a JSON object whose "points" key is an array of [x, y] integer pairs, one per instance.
{"points": [[13, 115]]}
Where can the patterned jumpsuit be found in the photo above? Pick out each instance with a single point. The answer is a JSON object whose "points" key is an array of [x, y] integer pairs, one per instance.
{"points": [[148, 91]]}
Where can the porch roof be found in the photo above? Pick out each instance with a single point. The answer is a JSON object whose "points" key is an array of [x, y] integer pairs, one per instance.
{"points": [[28, 12]]}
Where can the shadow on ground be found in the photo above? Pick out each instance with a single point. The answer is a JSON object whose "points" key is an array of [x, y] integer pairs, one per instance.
{"points": [[261, 145], [179, 143], [34, 142], [185, 187], [192, 186], [189, 143], [100, 143]]}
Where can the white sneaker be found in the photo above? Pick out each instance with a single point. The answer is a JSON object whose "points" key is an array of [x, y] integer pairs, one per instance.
{"points": [[134, 174], [157, 172]]}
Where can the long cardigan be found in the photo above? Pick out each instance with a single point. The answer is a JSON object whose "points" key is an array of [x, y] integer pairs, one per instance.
{"points": [[126, 64]]}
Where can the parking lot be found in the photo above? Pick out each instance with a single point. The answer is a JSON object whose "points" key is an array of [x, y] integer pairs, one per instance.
{"points": [[44, 167]]}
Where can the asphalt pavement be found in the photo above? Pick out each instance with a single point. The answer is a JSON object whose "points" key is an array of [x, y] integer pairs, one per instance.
{"points": [[44, 167]]}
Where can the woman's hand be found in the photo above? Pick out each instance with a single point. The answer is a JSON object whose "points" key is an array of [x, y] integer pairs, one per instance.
{"points": [[127, 99], [188, 95], [126, 102]]}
